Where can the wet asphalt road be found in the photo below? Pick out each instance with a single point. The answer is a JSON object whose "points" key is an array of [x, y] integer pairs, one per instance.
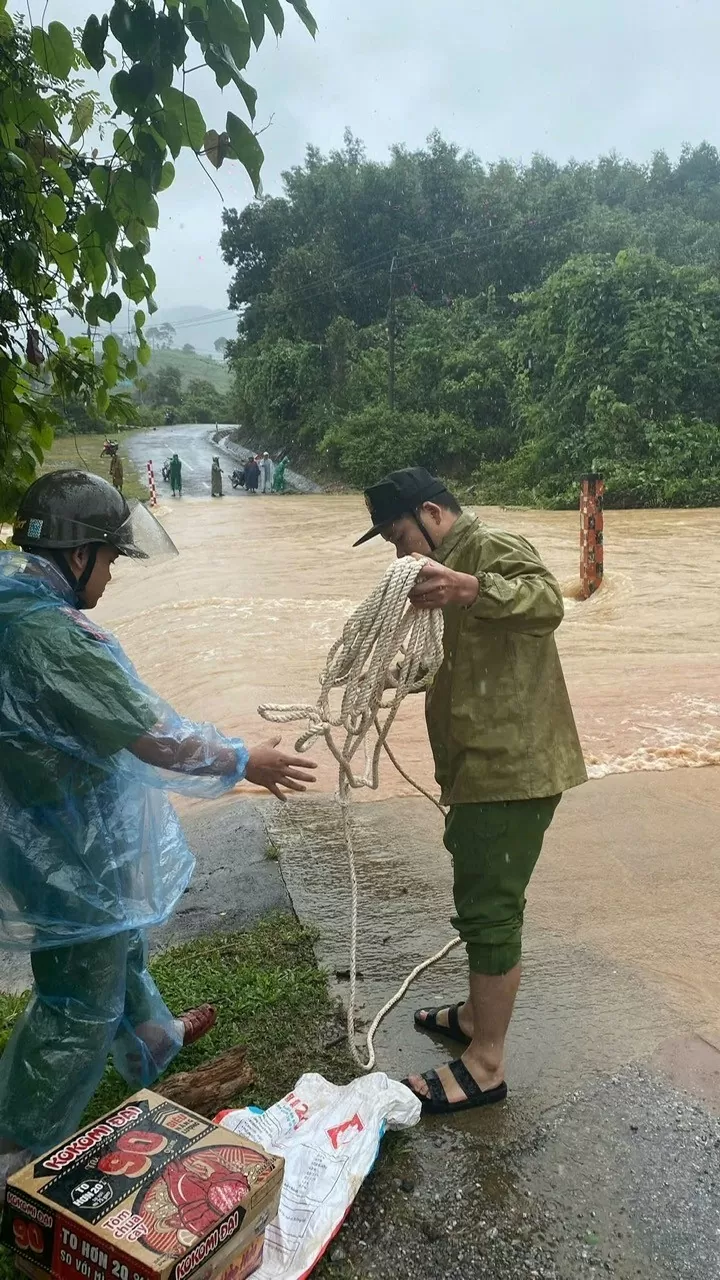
{"points": [[195, 447]]}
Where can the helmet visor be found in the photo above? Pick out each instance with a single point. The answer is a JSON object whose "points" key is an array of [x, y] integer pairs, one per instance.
{"points": [[142, 537]]}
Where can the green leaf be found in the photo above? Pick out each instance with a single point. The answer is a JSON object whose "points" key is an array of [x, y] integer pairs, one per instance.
{"points": [[55, 211], [94, 265], [65, 252], [249, 94], [171, 37], [109, 306], [246, 147], [103, 224], [91, 311], [167, 177], [305, 16], [102, 398], [134, 288], [144, 353], [137, 233], [187, 112], [59, 175], [111, 347], [150, 277], [134, 27], [152, 305], [9, 309], [93, 41], [53, 49], [110, 372], [124, 95], [24, 258], [275, 16], [123, 144], [82, 118], [171, 130], [139, 322], [226, 22], [100, 181], [131, 369], [255, 13], [46, 437], [130, 261]]}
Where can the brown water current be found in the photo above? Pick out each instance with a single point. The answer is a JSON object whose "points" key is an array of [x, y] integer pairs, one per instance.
{"points": [[262, 587]]}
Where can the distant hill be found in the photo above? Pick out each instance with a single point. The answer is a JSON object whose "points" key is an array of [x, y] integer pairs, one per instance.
{"points": [[200, 326], [192, 366]]}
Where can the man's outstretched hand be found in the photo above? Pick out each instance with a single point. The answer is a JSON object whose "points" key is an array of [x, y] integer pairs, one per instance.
{"points": [[267, 767]]}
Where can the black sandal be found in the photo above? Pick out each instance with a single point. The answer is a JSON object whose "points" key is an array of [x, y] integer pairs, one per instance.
{"points": [[438, 1103], [453, 1030]]}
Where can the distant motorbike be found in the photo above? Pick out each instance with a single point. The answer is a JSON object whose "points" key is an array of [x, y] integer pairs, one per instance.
{"points": [[109, 449], [166, 470], [237, 480]]}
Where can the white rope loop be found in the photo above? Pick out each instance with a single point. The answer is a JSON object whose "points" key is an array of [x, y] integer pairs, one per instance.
{"points": [[385, 628]]}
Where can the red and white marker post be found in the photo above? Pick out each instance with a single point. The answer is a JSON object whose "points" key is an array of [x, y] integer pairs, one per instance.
{"points": [[151, 484]]}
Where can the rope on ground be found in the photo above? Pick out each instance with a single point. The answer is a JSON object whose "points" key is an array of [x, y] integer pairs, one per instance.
{"points": [[387, 650]]}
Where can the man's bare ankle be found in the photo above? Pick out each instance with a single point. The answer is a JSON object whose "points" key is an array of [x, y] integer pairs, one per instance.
{"points": [[465, 1018], [486, 1067]]}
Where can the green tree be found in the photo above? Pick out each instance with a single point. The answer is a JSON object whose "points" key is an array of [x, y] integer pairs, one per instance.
{"points": [[74, 225], [163, 387], [550, 318], [202, 403]]}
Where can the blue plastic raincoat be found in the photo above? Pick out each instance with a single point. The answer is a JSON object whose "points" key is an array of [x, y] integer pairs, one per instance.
{"points": [[91, 851]]}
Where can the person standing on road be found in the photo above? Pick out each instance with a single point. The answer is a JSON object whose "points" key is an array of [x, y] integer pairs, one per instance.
{"points": [[92, 854], [252, 475], [116, 472], [279, 477], [216, 479], [505, 747], [176, 476], [267, 471]]}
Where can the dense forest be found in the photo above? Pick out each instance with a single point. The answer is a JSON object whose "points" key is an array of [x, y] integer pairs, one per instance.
{"points": [[510, 327]]}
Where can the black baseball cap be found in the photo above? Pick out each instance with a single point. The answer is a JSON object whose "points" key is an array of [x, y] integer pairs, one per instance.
{"points": [[399, 494]]}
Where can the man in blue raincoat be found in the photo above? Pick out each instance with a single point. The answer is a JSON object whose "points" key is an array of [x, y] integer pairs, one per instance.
{"points": [[91, 851]]}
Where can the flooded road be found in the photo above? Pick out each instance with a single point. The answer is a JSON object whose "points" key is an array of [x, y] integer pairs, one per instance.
{"points": [[260, 591], [194, 447], [262, 588]]}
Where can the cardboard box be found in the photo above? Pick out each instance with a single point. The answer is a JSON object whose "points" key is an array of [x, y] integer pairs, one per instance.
{"points": [[227, 1265], [149, 1192]]}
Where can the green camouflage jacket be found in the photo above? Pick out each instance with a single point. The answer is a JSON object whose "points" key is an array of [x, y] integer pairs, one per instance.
{"points": [[498, 714]]}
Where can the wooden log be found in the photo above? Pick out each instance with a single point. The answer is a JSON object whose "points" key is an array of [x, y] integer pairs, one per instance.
{"points": [[213, 1086]]}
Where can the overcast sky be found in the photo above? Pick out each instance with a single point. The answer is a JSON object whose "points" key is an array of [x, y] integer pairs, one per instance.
{"points": [[572, 78]]}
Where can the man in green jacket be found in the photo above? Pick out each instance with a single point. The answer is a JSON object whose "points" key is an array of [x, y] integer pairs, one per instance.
{"points": [[505, 747]]}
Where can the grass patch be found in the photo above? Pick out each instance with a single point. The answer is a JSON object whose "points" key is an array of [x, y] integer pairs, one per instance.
{"points": [[270, 996], [83, 452]]}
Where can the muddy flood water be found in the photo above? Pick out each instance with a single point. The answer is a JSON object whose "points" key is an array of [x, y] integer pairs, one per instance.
{"points": [[262, 587]]}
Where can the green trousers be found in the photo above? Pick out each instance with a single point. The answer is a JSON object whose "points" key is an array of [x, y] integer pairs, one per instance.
{"points": [[90, 1000], [494, 849]]}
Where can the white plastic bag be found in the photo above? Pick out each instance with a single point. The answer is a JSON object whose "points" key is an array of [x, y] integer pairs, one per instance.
{"points": [[329, 1135]]}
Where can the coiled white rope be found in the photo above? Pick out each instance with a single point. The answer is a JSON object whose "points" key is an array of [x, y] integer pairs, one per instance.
{"points": [[387, 650]]}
